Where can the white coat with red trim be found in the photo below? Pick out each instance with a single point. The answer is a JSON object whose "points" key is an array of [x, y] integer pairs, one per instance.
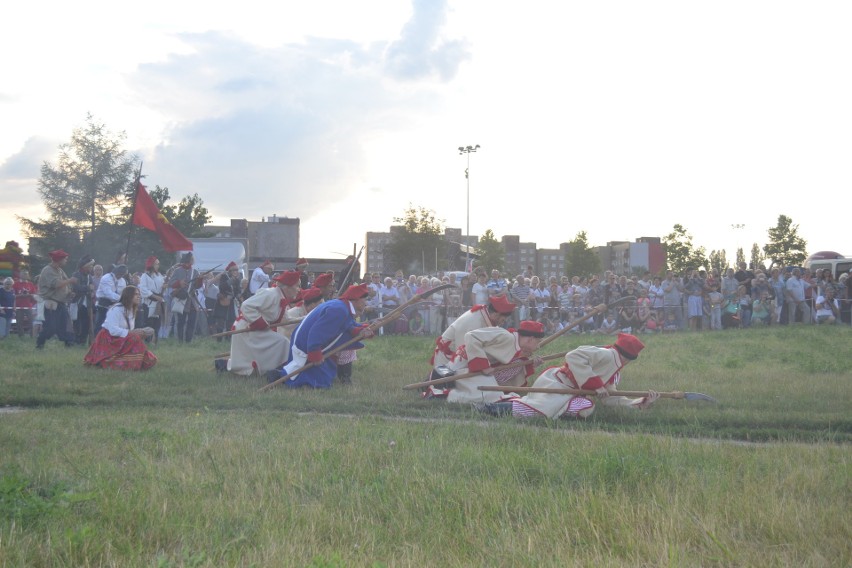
{"points": [[483, 348], [262, 348], [586, 367], [453, 336]]}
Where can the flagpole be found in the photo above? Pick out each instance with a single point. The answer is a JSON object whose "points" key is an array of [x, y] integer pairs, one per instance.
{"points": [[132, 213]]}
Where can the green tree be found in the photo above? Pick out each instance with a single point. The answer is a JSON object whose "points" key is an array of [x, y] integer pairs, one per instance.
{"points": [[580, 259], [82, 192], [418, 244], [785, 246], [681, 254], [491, 253], [718, 261]]}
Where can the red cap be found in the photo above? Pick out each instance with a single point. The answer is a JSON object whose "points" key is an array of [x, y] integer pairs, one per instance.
{"points": [[355, 292], [501, 304], [311, 295], [288, 277], [324, 280], [231, 265], [149, 262], [531, 328], [301, 262], [628, 345], [57, 255]]}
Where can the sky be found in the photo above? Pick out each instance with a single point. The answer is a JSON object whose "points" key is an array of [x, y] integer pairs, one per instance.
{"points": [[618, 118]]}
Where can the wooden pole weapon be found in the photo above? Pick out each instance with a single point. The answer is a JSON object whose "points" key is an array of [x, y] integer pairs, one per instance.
{"points": [[375, 325], [444, 380], [585, 392], [246, 330]]}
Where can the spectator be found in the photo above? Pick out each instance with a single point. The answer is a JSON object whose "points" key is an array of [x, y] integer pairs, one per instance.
{"points": [[729, 284], [779, 289], [762, 310], [497, 285], [373, 309], [672, 294], [827, 308], [541, 297], [7, 306], [609, 325], [730, 312], [744, 299], [744, 276], [714, 299], [480, 290], [656, 295], [25, 303], [466, 294], [797, 308], [520, 295]]}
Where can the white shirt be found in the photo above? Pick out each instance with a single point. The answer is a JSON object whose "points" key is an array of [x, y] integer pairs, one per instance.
{"points": [[390, 296], [480, 293], [117, 322], [110, 287], [151, 284], [542, 297], [259, 280]]}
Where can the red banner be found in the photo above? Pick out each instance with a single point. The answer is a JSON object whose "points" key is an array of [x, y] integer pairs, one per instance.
{"points": [[146, 214]]}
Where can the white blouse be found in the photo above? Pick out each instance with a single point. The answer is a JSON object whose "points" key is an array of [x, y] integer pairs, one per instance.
{"points": [[118, 322]]}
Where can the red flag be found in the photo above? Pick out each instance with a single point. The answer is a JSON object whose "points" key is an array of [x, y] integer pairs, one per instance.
{"points": [[146, 214]]}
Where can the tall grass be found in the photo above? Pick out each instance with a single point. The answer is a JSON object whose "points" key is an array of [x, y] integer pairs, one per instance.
{"points": [[183, 467]]}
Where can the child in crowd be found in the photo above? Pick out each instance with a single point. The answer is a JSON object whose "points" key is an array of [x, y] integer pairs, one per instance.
{"points": [[609, 325], [714, 301], [416, 323], [671, 322]]}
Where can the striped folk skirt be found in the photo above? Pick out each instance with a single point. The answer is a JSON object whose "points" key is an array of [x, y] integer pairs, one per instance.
{"points": [[123, 353]]}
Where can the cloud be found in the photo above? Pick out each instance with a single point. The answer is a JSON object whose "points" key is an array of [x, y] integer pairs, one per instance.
{"points": [[20, 172], [419, 52], [286, 125]]}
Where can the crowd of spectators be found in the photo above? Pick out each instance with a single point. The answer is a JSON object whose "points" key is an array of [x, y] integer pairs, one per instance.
{"points": [[696, 300]]}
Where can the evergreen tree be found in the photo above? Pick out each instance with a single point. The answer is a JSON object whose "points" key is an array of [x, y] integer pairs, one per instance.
{"points": [[82, 192], [785, 246], [491, 253], [580, 259]]}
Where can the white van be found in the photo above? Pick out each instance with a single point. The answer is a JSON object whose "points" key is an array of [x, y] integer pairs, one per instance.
{"points": [[837, 265]]}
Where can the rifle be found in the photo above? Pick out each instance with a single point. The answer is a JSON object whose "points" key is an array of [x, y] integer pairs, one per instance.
{"points": [[191, 289], [349, 273]]}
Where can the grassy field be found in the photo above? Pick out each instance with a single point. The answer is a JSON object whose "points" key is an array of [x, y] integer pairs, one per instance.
{"points": [[180, 466]]}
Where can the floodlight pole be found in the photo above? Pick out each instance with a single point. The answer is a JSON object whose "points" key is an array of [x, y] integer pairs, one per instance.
{"points": [[467, 150]]}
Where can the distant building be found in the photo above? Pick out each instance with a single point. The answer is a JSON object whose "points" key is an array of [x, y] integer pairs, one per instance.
{"points": [[622, 257]]}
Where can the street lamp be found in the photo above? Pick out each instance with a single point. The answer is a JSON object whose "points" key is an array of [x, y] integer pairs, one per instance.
{"points": [[467, 150]]}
